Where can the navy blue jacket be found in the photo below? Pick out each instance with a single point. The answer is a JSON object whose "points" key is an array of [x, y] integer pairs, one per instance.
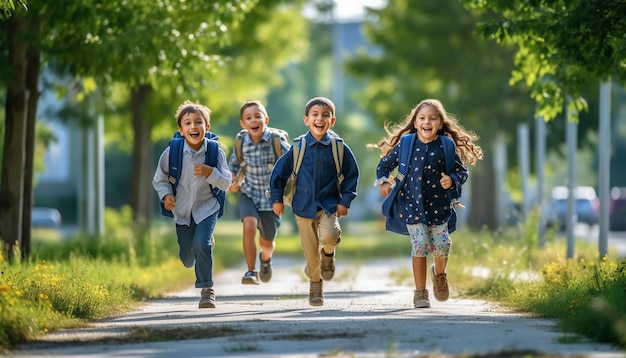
{"points": [[316, 184]]}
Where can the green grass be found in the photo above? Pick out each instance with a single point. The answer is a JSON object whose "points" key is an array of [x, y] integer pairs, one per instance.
{"points": [[67, 283]]}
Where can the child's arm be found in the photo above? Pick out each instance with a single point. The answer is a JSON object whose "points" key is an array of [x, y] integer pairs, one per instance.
{"points": [[383, 171], [160, 181], [280, 174], [220, 178], [350, 171], [458, 177]]}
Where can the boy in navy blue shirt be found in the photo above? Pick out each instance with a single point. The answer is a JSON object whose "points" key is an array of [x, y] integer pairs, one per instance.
{"points": [[320, 199]]}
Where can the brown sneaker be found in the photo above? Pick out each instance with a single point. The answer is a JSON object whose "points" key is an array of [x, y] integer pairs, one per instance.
{"points": [[316, 296], [420, 299], [265, 272], [207, 298], [328, 266], [440, 285]]}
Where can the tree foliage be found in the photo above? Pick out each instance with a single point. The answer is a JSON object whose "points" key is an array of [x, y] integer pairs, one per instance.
{"points": [[562, 45], [429, 50], [180, 46], [7, 7]]}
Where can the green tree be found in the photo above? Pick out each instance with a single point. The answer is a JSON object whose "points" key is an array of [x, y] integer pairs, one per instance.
{"points": [[429, 49], [7, 7], [143, 44], [562, 46]]}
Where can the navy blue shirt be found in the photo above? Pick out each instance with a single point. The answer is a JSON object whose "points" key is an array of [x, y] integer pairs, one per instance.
{"points": [[316, 184], [422, 199]]}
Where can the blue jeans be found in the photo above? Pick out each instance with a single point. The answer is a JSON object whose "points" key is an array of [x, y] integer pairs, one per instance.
{"points": [[195, 248]]}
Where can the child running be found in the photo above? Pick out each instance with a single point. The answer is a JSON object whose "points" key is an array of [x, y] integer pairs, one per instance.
{"points": [[258, 156], [425, 202], [194, 206], [320, 196]]}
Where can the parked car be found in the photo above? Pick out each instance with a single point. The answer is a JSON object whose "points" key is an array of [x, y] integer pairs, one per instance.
{"points": [[586, 206], [46, 217], [617, 209]]}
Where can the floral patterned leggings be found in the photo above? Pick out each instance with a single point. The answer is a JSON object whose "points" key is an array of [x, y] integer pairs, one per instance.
{"points": [[433, 239]]}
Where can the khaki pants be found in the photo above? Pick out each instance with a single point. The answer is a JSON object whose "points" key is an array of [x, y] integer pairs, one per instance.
{"points": [[322, 232]]}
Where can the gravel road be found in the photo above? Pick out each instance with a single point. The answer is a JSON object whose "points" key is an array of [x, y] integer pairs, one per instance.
{"points": [[366, 314]]}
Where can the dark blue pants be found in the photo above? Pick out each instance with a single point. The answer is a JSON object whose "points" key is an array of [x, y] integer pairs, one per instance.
{"points": [[195, 248]]}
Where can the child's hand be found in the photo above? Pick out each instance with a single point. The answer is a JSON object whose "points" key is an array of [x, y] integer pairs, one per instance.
{"points": [[445, 181], [279, 208], [234, 185], [202, 170], [169, 202], [341, 211], [385, 189]]}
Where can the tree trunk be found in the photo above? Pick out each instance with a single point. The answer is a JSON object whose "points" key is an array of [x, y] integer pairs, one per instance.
{"points": [[142, 171], [482, 212], [32, 85], [12, 182]]}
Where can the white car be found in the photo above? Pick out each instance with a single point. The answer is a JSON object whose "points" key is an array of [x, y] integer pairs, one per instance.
{"points": [[46, 217]]}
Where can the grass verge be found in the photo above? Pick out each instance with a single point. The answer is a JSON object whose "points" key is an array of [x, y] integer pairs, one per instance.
{"points": [[67, 283]]}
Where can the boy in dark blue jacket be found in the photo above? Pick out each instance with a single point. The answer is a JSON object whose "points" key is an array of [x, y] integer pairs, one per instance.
{"points": [[322, 195]]}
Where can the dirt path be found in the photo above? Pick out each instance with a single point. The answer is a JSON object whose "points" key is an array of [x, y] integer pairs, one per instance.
{"points": [[366, 314]]}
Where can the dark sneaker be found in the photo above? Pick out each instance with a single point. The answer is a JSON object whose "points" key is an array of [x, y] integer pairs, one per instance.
{"points": [[328, 266], [207, 298], [316, 296], [440, 285], [265, 273], [250, 278], [420, 299]]}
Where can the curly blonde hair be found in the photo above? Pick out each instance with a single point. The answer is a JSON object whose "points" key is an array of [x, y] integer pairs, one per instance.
{"points": [[466, 148]]}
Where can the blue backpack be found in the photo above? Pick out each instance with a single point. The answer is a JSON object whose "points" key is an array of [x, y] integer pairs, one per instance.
{"points": [[390, 210], [176, 163]]}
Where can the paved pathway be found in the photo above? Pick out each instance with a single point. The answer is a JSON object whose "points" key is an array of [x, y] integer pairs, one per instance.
{"points": [[366, 314]]}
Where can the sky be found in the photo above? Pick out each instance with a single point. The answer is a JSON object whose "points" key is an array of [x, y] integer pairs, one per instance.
{"points": [[354, 9], [350, 10]]}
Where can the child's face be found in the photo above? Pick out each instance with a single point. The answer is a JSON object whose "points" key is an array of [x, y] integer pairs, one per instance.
{"points": [[193, 127], [427, 122], [255, 121], [319, 120]]}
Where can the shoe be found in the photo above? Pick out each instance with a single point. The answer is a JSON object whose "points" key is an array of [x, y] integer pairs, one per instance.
{"points": [[207, 298], [420, 299], [328, 266], [440, 285], [250, 278], [316, 296], [265, 272]]}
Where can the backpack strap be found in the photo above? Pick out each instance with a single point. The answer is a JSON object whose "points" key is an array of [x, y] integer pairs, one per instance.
{"points": [[175, 161], [336, 145], [449, 148], [239, 145], [210, 159], [407, 142], [278, 148], [299, 146]]}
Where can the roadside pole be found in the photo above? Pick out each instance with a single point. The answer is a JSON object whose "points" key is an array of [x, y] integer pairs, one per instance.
{"points": [[604, 170], [522, 147], [540, 158], [571, 136], [499, 165]]}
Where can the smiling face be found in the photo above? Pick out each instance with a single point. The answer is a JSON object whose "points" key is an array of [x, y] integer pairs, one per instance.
{"points": [[255, 120], [193, 126], [319, 119], [427, 122]]}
